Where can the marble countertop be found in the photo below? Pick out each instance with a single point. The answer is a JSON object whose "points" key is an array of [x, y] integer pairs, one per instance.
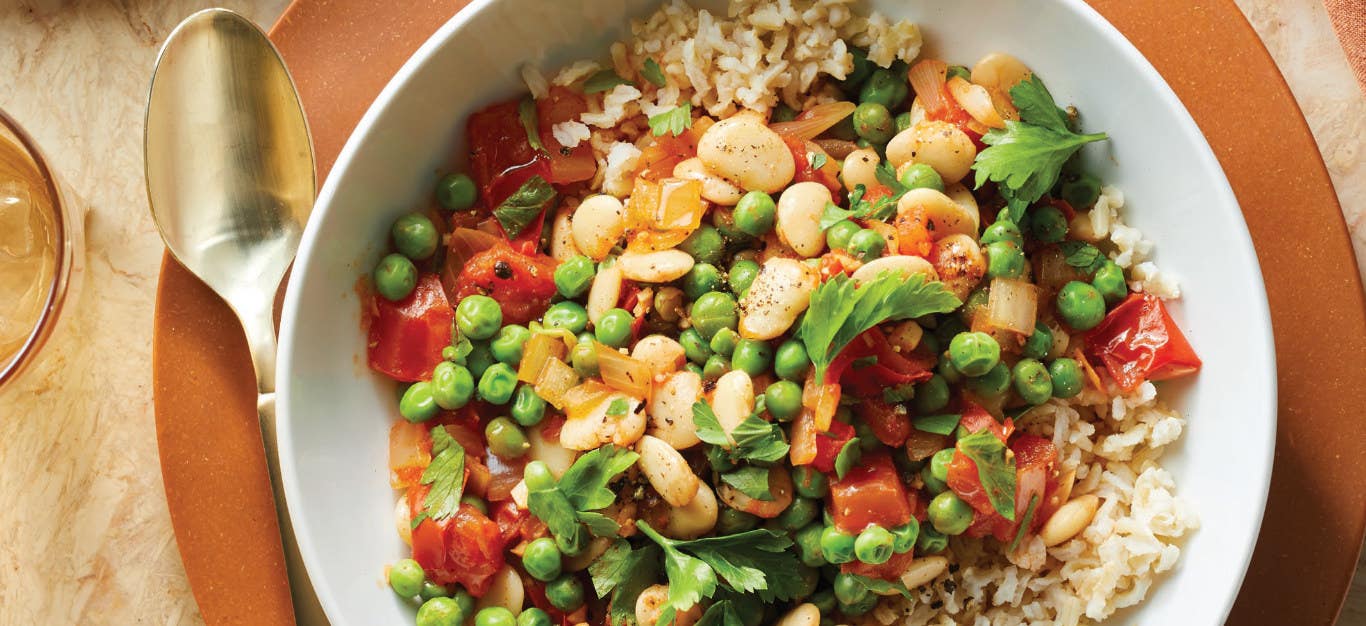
{"points": [[85, 536]]}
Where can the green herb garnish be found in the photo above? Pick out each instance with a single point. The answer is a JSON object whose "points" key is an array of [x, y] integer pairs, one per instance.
{"points": [[526, 112], [604, 80], [674, 121], [756, 561], [653, 73], [848, 457], [445, 475], [524, 206], [1083, 256], [937, 424], [1024, 524], [751, 481], [994, 469], [754, 438]]}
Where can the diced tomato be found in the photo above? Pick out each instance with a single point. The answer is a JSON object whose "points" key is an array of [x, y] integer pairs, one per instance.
{"points": [[464, 426], [406, 337], [466, 548], [870, 493], [522, 284], [516, 524], [834, 263], [805, 171], [921, 445], [550, 427], [891, 570], [829, 444], [975, 418], [498, 143], [1138, 341], [410, 452], [507, 183], [952, 112], [1035, 475], [889, 422], [504, 474], [567, 165], [887, 367], [914, 236]]}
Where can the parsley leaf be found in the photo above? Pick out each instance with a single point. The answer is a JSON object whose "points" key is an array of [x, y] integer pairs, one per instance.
{"points": [[598, 524], [833, 214], [1083, 256], [445, 475], [817, 160], [1024, 524], [674, 121], [1026, 157], [751, 481], [752, 439], [848, 457], [690, 578], [887, 176], [755, 561], [882, 587], [524, 206], [720, 614], [618, 407], [708, 426], [624, 573], [526, 112], [937, 424], [584, 484], [841, 310], [994, 469], [603, 81], [653, 73], [553, 508]]}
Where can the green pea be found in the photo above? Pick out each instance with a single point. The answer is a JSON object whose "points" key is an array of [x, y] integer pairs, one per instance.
{"points": [[824, 601], [478, 317], [432, 590], [614, 328], [456, 192], [977, 300], [507, 344], [808, 541], [903, 121], [867, 440], [784, 400], [790, 362], [837, 546], [1040, 343], [395, 277], [1066, 376], [1109, 281], [505, 438], [798, 514], [528, 409], [993, 383], [930, 343], [1032, 381], [1002, 230], [476, 502], [440, 612], [534, 617], [452, 385], [479, 359], [406, 577], [574, 276], [810, 482], [837, 236], [694, 368], [974, 353], [1082, 192], [884, 87], [741, 276], [921, 176], [538, 476], [751, 356], [1048, 224], [417, 403], [730, 521], [497, 384], [704, 245], [714, 311], [702, 278], [1005, 259], [415, 236], [874, 545], [724, 342], [1080, 305], [903, 537], [542, 559], [495, 616], [932, 395], [584, 358], [565, 593], [933, 484], [849, 590], [783, 113], [872, 121], [568, 315], [715, 367], [867, 244], [939, 464], [862, 69], [755, 213], [947, 371], [694, 346], [931, 541], [949, 515], [808, 580]]}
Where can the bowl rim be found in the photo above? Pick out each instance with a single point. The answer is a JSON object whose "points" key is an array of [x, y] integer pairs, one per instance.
{"points": [[1240, 239]]}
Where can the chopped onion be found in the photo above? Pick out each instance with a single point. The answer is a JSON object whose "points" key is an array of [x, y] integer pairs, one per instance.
{"points": [[1052, 270], [661, 215], [536, 352], [976, 101], [822, 399], [1013, 305], [464, 244], [409, 453], [921, 445], [927, 79], [555, 380], [581, 400], [623, 373], [837, 148], [804, 435], [815, 120]]}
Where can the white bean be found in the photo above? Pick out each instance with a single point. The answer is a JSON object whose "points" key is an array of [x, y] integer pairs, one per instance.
{"points": [[597, 225], [1069, 519], [903, 264], [960, 263], [562, 235], [667, 471], [655, 267], [923, 570], [650, 604], [733, 399], [554, 455], [671, 409], [598, 428], [805, 614], [779, 293], [746, 152], [403, 519], [999, 71], [940, 145], [663, 354], [695, 519], [799, 215], [944, 216], [860, 167], [506, 591], [967, 204], [715, 189], [603, 295]]}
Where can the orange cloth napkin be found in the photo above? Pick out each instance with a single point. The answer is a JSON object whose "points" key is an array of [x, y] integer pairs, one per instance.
{"points": [[1349, 20]]}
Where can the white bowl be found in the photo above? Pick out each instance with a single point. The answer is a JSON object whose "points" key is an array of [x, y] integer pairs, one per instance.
{"points": [[334, 414]]}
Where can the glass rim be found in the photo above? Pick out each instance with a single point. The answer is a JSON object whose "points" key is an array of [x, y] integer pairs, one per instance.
{"points": [[56, 293]]}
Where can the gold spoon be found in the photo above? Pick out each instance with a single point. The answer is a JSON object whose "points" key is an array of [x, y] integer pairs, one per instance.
{"points": [[230, 181]]}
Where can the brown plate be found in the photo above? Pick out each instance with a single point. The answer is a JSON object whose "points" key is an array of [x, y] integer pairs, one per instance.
{"points": [[342, 52]]}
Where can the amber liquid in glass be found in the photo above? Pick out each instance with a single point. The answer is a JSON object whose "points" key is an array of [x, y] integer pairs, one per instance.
{"points": [[28, 248]]}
